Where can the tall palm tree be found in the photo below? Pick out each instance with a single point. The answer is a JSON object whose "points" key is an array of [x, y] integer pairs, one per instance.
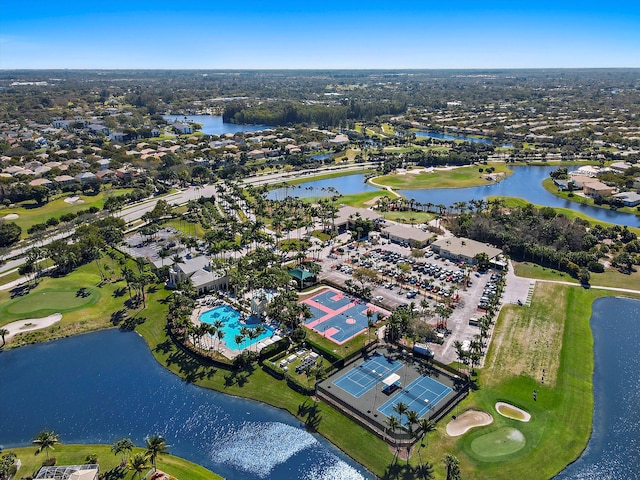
{"points": [[45, 441], [155, 445], [122, 447], [393, 423], [400, 408], [138, 464], [425, 427], [3, 332]]}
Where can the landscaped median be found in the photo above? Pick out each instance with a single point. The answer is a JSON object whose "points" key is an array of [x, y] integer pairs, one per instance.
{"points": [[77, 454]]}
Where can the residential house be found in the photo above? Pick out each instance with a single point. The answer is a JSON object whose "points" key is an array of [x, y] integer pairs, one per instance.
{"points": [[597, 189], [629, 199], [41, 182], [182, 128], [85, 177], [64, 179]]}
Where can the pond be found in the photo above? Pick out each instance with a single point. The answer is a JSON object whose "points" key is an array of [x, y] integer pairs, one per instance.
{"points": [[99, 387], [327, 187], [213, 124], [525, 183], [448, 136], [613, 450]]}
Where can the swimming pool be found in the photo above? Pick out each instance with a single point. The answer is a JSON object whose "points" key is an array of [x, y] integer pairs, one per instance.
{"points": [[230, 318]]}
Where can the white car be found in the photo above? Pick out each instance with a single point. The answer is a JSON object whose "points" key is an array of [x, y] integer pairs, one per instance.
{"points": [[379, 298]]}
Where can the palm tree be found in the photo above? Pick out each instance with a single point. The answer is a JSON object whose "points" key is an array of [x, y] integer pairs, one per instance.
{"points": [[393, 423], [138, 464], [400, 408], [3, 332], [46, 440], [425, 426], [122, 447], [155, 445]]}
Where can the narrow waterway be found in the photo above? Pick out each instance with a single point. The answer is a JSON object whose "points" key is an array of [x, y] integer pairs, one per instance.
{"points": [[99, 387], [613, 452]]}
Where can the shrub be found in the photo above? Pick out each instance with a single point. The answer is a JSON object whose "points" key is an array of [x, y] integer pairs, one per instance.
{"points": [[595, 267], [49, 462]]}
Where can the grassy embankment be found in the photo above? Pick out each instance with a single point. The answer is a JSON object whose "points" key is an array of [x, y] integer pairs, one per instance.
{"points": [[550, 187], [551, 338], [76, 454], [461, 177]]}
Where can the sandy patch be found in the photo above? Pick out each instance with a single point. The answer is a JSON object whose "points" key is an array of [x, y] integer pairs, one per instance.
{"points": [[465, 422], [511, 411], [11, 216], [73, 200], [373, 201], [30, 324]]}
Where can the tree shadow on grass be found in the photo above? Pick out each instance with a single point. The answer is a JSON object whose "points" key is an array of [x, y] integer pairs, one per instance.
{"points": [[397, 471], [311, 413], [188, 367], [164, 347], [119, 292], [118, 316], [21, 290]]}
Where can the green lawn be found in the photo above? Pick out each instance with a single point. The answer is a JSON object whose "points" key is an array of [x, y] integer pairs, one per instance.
{"points": [[611, 277], [80, 313], [553, 332], [30, 213], [455, 178], [76, 454], [409, 217]]}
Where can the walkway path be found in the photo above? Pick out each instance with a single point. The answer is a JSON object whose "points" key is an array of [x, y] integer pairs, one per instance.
{"points": [[384, 187]]}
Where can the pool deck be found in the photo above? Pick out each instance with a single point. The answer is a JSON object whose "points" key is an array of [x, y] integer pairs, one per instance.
{"points": [[212, 343]]}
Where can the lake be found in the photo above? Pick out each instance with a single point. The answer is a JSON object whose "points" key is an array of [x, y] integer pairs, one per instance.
{"points": [[345, 185], [448, 136], [99, 387], [525, 183], [213, 124], [613, 451]]}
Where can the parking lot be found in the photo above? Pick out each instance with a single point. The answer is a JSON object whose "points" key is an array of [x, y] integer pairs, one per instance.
{"points": [[427, 282]]}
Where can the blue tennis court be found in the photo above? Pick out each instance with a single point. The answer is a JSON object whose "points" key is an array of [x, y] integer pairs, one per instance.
{"points": [[420, 395], [333, 300], [367, 375]]}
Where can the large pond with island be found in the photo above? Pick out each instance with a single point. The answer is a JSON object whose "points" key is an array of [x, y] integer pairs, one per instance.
{"points": [[99, 387]]}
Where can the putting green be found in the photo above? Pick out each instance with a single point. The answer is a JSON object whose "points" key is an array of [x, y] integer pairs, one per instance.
{"points": [[496, 444], [51, 300]]}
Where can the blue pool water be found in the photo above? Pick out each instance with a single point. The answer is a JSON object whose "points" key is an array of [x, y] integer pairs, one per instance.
{"points": [[232, 325]]}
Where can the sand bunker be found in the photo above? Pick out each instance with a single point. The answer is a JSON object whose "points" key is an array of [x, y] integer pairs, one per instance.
{"points": [[30, 324], [11, 216], [73, 200], [465, 422], [510, 411]]}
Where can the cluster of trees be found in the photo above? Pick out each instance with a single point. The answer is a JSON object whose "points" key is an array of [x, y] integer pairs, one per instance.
{"points": [[138, 463], [9, 233], [290, 113], [541, 235]]}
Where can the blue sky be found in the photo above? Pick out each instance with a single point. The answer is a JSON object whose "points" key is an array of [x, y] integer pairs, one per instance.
{"points": [[318, 34]]}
